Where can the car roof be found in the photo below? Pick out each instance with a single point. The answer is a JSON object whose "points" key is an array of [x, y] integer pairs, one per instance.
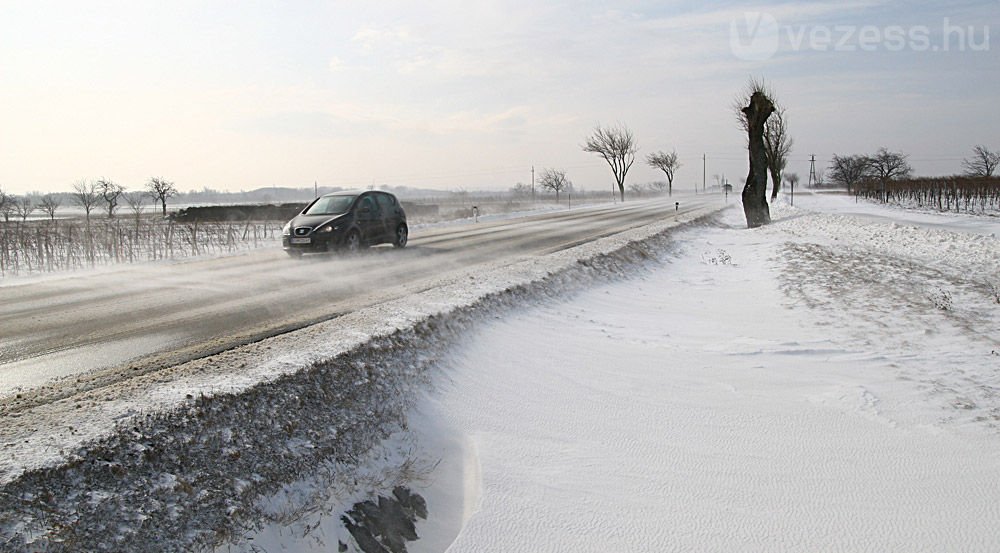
{"points": [[355, 192]]}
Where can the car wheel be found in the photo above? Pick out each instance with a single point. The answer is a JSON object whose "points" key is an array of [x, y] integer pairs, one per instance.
{"points": [[402, 235], [352, 244]]}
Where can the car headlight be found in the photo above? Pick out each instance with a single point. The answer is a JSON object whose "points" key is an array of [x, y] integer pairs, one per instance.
{"points": [[328, 228], [287, 230]]}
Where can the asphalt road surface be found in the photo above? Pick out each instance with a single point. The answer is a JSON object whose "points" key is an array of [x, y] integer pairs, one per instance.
{"points": [[136, 319]]}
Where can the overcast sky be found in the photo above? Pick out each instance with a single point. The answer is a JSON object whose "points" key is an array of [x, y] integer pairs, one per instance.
{"points": [[449, 95]]}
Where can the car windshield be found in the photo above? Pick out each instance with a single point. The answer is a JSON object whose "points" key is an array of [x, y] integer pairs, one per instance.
{"points": [[331, 205]]}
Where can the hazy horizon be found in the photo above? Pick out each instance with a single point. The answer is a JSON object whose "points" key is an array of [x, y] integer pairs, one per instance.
{"points": [[455, 95]]}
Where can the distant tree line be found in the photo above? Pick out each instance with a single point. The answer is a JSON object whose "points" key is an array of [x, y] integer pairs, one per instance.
{"points": [[884, 166], [888, 177], [51, 245], [616, 145], [97, 196], [769, 147], [88, 195]]}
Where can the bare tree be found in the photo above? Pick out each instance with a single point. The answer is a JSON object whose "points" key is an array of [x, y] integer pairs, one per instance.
{"points": [[820, 179], [983, 162], [6, 205], [134, 202], [886, 165], [521, 190], [49, 205], [777, 141], [753, 118], [24, 206], [461, 194], [85, 195], [777, 144], [792, 179], [657, 186], [849, 171], [667, 163], [554, 180], [110, 191], [160, 189], [617, 146]]}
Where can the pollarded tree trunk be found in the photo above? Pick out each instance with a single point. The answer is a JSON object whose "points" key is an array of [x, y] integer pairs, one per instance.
{"points": [[755, 191]]}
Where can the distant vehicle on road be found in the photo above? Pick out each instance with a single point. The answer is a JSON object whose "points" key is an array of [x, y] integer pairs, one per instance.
{"points": [[347, 221]]}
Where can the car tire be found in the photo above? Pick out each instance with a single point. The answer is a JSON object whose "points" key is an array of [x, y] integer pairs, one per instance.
{"points": [[352, 243], [402, 236]]}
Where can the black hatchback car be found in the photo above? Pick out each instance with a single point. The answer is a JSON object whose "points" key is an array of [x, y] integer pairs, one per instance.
{"points": [[347, 221]]}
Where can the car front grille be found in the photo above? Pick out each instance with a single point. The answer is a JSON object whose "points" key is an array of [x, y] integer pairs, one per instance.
{"points": [[302, 231]]}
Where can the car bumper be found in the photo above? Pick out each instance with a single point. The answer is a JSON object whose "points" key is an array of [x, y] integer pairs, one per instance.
{"points": [[312, 243]]}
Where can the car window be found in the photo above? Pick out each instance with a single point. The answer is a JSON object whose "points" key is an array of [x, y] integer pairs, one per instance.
{"points": [[331, 205], [367, 202], [385, 201]]}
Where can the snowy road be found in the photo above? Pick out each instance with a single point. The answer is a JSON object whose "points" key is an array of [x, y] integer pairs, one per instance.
{"points": [[103, 326]]}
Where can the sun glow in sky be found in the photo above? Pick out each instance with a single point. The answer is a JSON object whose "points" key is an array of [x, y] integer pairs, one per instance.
{"points": [[449, 95]]}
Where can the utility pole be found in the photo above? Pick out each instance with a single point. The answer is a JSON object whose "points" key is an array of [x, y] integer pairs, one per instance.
{"points": [[532, 184], [812, 171], [704, 171], [315, 189]]}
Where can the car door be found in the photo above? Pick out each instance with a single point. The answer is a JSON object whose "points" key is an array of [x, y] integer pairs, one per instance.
{"points": [[369, 219], [387, 209]]}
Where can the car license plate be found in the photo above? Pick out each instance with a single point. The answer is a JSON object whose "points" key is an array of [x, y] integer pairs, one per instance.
{"points": [[301, 240]]}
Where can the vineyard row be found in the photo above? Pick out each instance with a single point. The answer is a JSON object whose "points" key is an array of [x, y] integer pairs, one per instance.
{"points": [[48, 246]]}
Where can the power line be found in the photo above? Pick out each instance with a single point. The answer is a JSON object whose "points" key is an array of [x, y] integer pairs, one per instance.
{"points": [[473, 173], [416, 178]]}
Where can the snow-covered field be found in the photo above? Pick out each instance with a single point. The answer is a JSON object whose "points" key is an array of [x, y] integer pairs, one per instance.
{"points": [[808, 386], [830, 382]]}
